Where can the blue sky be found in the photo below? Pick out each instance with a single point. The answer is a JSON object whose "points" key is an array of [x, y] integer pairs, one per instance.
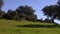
{"points": [[36, 4]]}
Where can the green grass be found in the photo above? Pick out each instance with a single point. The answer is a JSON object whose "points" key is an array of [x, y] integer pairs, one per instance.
{"points": [[27, 27]]}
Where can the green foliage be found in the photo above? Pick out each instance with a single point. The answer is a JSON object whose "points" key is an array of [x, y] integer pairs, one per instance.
{"points": [[26, 12], [21, 13], [1, 14], [1, 4], [52, 11]]}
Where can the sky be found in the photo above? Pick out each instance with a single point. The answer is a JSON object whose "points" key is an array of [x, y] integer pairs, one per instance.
{"points": [[35, 4]]}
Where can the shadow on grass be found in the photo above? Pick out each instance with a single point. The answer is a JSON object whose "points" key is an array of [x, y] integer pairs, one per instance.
{"points": [[39, 26]]}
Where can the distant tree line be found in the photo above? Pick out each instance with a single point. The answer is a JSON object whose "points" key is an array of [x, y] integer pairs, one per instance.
{"points": [[21, 13]]}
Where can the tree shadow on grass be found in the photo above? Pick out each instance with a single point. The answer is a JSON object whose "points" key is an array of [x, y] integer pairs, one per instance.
{"points": [[39, 26]]}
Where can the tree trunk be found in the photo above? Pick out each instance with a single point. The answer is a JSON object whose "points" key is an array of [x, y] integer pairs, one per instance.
{"points": [[52, 20]]}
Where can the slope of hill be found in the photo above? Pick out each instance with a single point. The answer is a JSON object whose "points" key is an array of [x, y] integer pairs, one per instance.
{"points": [[27, 27]]}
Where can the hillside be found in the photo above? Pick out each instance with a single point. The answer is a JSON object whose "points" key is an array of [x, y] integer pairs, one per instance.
{"points": [[27, 27]]}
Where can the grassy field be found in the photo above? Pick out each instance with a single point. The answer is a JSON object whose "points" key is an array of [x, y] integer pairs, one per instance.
{"points": [[27, 27]]}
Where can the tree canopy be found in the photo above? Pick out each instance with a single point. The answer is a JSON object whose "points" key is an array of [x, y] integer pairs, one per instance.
{"points": [[1, 4], [52, 11], [21, 13]]}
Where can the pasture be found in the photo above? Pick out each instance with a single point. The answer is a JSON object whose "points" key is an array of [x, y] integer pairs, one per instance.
{"points": [[27, 27]]}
